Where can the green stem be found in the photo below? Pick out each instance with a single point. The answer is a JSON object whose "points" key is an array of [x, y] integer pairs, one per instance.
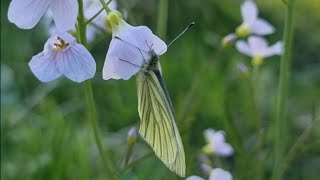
{"points": [[105, 6], [162, 18], [89, 95], [280, 127], [94, 16]]}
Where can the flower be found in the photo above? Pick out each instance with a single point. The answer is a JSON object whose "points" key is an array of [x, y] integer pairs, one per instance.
{"points": [[129, 48], [216, 174], [27, 13], [229, 39], [258, 49], [252, 24], [98, 24], [62, 55], [217, 144]]}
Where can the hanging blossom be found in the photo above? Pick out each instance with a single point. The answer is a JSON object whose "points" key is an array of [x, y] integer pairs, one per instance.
{"points": [[62, 55], [129, 48], [215, 174], [258, 49], [27, 13], [217, 144], [91, 7], [252, 24]]}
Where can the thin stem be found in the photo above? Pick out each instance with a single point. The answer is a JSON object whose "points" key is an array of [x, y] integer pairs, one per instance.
{"points": [[280, 127], [89, 95], [105, 6], [162, 18], [94, 16], [132, 164]]}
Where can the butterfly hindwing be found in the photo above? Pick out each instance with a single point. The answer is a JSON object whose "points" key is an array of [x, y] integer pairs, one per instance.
{"points": [[157, 125]]}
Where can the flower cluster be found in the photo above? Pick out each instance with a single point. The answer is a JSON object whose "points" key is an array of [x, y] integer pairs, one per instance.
{"points": [[217, 147], [253, 27], [62, 55]]}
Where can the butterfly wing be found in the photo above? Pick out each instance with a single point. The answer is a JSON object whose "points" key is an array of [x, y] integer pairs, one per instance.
{"points": [[158, 125]]}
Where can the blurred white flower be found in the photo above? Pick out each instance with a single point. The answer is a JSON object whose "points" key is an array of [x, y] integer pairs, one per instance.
{"points": [[252, 24], [220, 174], [62, 55], [91, 7], [215, 174], [27, 13], [229, 39], [217, 144], [129, 48], [258, 49]]}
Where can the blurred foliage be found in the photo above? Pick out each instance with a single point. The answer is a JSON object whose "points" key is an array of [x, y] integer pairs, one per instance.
{"points": [[44, 129]]}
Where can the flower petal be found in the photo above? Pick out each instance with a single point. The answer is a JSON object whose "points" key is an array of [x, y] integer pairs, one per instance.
{"points": [[65, 13], [220, 174], [249, 12], [194, 178], [258, 45], [44, 67], [244, 48], [223, 149], [261, 27], [27, 13], [124, 60], [276, 49], [76, 63]]}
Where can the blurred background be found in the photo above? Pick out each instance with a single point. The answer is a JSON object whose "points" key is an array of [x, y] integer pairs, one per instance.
{"points": [[45, 133]]}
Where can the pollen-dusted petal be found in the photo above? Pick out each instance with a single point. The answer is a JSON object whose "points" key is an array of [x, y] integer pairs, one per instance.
{"points": [[276, 49], [27, 13], [244, 48], [249, 12], [261, 27], [220, 174], [194, 178], [76, 63], [44, 67], [65, 14], [258, 45]]}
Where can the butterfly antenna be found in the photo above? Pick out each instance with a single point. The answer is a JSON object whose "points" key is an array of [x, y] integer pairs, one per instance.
{"points": [[174, 40]]}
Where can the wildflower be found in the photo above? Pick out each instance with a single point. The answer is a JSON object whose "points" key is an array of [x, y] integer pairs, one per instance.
{"points": [[132, 135], [229, 40], [216, 143], [27, 13], [258, 49], [62, 55], [215, 174], [128, 48], [252, 24]]}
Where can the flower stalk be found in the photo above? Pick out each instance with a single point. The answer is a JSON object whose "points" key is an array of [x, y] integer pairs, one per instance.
{"points": [[89, 94], [281, 110]]}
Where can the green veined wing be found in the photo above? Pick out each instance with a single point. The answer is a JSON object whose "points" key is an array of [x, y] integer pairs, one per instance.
{"points": [[158, 125]]}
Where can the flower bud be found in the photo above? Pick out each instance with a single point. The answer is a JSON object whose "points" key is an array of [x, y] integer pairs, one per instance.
{"points": [[243, 70], [257, 60], [132, 136], [113, 19], [205, 168], [243, 30], [228, 40]]}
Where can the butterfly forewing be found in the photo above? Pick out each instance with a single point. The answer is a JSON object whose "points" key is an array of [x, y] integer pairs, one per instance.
{"points": [[157, 125]]}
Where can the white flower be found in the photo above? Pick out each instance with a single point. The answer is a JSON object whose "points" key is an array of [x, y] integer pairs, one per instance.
{"points": [[27, 13], [252, 24], [258, 49], [62, 55], [220, 174], [129, 48], [216, 174], [217, 144]]}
